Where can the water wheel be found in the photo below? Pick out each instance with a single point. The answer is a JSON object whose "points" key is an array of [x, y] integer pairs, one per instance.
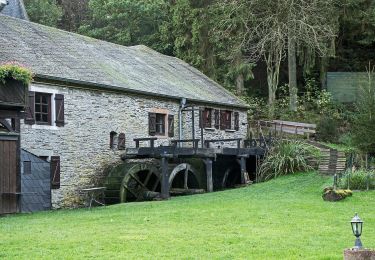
{"points": [[141, 182], [231, 178], [183, 180], [132, 182]]}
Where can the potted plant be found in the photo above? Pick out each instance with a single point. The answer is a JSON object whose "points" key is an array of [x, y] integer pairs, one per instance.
{"points": [[14, 82]]}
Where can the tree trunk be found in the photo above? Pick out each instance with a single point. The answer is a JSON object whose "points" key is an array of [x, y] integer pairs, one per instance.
{"points": [[292, 69], [323, 72], [240, 87]]}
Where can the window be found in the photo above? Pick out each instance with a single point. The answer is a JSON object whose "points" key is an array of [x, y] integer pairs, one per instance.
{"points": [[112, 139], [225, 119], [217, 119], [43, 108], [157, 124], [207, 113], [160, 124]]}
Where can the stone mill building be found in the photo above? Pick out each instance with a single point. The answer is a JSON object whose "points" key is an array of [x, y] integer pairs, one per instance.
{"points": [[91, 98]]}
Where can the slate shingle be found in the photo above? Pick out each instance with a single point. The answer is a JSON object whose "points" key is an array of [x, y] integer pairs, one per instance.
{"points": [[66, 56]]}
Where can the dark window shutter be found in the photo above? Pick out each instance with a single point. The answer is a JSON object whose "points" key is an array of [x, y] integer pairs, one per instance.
{"points": [[59, 105], [217, 119], [170, 125], [223, 120], [121, 141], [207, 117], [55, 172], [228, 120], [30, 115], [151, 124], [236, 121], [26, 167]]}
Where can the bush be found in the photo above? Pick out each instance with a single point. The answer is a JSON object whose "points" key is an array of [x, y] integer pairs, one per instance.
{"points": [[327, 130], [287, 156], [364, 121], [15, 71], [359, 180]]}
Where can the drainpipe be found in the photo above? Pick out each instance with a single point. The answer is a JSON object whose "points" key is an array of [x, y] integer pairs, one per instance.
{"points": [[180, 132], [3, 3]]}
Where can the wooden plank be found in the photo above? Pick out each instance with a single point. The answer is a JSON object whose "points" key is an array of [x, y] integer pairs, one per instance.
{"points": [[13, 176], [6, 204], [2, 172], [291, 123]]}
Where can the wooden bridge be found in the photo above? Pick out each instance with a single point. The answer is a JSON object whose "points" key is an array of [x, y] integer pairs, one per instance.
{"points": [[141, 180]]}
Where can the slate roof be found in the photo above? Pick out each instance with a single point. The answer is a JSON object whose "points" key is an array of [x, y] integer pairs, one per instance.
{"points": [[70, 57], [15, 8]]}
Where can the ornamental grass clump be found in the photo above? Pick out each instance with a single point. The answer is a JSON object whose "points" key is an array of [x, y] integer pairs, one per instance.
{"points": [[15, 71], [359, 180], [286, 157]]}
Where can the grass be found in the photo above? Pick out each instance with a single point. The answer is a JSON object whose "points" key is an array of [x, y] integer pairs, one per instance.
{"points": [[284, 218]]}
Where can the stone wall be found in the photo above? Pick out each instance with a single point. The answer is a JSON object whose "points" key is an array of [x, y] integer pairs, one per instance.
{"points": [[83, 143]]}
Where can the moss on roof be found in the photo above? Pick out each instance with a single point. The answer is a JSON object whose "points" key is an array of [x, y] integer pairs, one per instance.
{"points": [[59, 54]]}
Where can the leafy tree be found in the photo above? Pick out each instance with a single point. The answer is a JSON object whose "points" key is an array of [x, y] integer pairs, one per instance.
{"points": [[364, 123], [74, 13], [127, 22], [45, 12]]}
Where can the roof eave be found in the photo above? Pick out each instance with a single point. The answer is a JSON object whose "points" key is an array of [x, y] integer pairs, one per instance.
{"points": [[133, 91]]}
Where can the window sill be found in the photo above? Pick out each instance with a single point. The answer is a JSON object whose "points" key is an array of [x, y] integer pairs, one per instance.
{"points": [[230, 130], [42, 127], [209, 129]]}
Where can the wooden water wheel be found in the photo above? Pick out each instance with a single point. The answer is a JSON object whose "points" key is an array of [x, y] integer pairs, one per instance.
{"points": [[135, 181], [141, 182], [183, 180]]}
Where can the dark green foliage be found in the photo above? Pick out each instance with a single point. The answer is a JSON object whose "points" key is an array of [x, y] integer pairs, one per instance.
{"points": [[286, 157], [327, 129], [45, 12], [127, 22], [364, 121], [359, 180], [15, 71]]}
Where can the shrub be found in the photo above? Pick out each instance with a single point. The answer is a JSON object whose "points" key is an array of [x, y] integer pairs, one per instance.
{"points": [[327, 130], [358, 180], [15, 71], [287, 156], [364, 121], [330, 194]]}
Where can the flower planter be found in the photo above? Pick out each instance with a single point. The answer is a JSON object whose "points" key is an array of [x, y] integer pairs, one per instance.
{"points": [[13, 94]]}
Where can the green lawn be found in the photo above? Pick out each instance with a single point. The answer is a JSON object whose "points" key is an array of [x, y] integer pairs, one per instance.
{"points": [[281, 219]]}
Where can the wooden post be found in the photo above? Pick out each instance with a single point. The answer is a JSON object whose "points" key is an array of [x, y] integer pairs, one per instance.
{"points": [[164, 178], [244, 175], [210, 184]]}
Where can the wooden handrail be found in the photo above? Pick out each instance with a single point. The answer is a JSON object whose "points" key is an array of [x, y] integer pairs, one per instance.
{"points": [[150, 139]]}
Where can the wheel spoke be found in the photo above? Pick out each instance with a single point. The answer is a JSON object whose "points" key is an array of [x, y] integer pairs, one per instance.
{"points": [[148, 178], [138, 181], [130, 190], [186, 177]]}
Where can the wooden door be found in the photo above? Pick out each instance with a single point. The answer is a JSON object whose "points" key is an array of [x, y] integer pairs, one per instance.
{"points": [[8, 175]]}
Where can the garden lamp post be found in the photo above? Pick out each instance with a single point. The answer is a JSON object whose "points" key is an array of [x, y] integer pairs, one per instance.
{"points": [[357, 223]]}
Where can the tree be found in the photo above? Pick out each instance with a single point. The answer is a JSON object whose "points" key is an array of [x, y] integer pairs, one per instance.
{"points": [[311, 26], [364, 122], [272, 27], [74, 13], [45, 12], [127, 22]]}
